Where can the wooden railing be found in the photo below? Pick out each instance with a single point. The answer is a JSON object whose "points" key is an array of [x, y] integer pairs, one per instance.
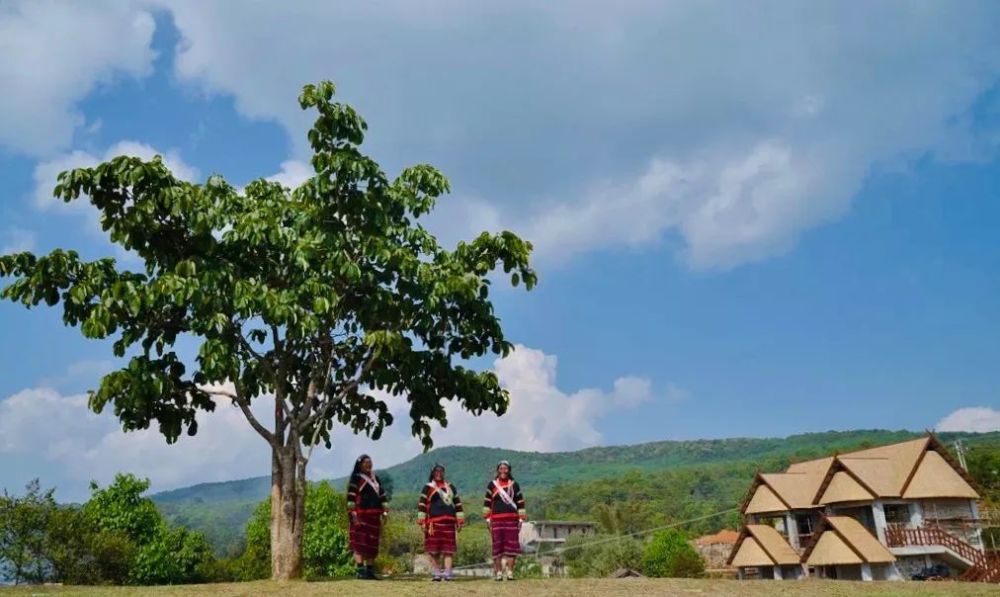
{"points": [[988, 572], [982, 568]]}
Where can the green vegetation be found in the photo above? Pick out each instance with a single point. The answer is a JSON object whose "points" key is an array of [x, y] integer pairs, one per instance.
{"points": [[599, 557], [669, 555], [324, 545], [116, 537]]}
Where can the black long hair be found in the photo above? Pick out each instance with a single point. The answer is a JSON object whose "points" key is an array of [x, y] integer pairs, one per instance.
{"points": [[510, 470], [357, 464], [437, 466]]}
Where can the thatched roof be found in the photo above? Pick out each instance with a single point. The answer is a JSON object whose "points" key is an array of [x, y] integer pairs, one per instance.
{"points": [[844, 488], [725, 536], [765, 500], [920, 468], [762, 545], [935, 478], [842, 541]]}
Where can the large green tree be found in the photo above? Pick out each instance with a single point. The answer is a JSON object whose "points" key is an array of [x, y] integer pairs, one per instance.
{"points": [[320, 300]]}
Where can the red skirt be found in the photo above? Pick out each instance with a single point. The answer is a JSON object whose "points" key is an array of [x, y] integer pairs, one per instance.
{"points": [[505, 534], [365, 533], [443, 539]]}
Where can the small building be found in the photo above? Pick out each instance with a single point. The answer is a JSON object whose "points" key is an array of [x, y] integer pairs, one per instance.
{"points": [[545, 537], [539, 535], [715, 548], [889, 512]]}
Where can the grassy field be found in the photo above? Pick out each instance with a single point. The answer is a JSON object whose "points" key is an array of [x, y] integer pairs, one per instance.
{"points": [[567, 587]]}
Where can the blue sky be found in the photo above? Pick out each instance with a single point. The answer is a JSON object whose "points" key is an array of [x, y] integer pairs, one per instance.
{"points": [[748, 221]]}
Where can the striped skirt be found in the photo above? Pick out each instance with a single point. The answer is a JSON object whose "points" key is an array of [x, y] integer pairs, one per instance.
{"points": [[442, 541], [505, 533], [365, 533]]}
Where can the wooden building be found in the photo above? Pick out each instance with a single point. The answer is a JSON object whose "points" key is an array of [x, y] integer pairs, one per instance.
{"points": [[883, 513]]}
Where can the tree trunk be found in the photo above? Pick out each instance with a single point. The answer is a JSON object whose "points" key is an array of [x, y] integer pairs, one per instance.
{"points": [[287, 512]]}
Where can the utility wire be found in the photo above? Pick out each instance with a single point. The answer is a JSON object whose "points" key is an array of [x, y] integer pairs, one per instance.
{"points": [[561, 550]]}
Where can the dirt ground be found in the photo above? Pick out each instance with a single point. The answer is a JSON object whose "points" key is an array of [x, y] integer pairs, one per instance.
{"points": [[560, 587]]}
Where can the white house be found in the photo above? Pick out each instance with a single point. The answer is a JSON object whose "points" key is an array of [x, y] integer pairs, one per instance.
{"points": [[883, 513]]}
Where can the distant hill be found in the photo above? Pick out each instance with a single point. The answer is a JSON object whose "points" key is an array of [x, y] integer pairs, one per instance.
{"points": [[222, 509]]}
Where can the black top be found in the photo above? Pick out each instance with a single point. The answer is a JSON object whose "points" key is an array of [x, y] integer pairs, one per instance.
{"points": [[362, 495], [433, 505], [494, 505]]}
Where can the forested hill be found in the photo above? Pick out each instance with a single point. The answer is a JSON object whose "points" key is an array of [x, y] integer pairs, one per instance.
{"points": [[724, 468], [471, 467]]}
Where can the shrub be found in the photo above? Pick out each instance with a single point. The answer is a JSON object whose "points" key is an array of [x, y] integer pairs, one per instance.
{"points": [[325, 552], [668, 554], [601, 555]]}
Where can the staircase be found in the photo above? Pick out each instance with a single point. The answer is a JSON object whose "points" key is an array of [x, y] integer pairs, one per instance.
{"points": [[983, 567]]}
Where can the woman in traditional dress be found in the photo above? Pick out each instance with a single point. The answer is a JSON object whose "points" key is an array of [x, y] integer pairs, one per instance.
{"points": [[367, 506], [503, 509], [440, 514]]}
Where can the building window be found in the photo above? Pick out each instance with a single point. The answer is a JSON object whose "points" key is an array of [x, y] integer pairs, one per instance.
{"points": [[897, 513], [778, 522], [804, 525]]}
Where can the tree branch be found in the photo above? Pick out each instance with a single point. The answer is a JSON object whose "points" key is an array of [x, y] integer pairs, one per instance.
{"points": [[245, 407], [320, 413]]}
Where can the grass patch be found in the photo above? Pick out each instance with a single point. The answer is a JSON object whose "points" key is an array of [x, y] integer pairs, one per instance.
{"points": [[559, 587]]}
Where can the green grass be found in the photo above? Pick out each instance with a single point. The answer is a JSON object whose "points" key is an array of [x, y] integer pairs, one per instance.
{"points": [[567, 587]]}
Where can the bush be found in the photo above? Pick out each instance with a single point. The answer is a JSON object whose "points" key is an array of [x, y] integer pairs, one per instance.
{"points": [[80, 553], [162, 555], [527, 568], [473, 546], [121, 507], [172, 556], [325, 552], [601, 555], [402, 540], [24, 541], [668, 554]]}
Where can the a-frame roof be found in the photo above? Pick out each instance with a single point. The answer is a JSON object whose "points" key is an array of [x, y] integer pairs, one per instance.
{"points": [[886, 469], [919, 468], [764, 500], [844, 488], [793, 489], [749, 554], [762, 545], [935, 478], [843, 540]]}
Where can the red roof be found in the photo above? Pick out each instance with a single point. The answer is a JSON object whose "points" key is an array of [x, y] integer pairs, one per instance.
{"points": [[726, 536]]}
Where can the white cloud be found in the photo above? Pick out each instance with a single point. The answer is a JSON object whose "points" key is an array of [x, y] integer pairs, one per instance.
{"points": [[58, 438], [729, 209], [977, 419], [16, 240], [54, 55], [592, 127], [292, 174], [68, 445], [541, 417]]}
